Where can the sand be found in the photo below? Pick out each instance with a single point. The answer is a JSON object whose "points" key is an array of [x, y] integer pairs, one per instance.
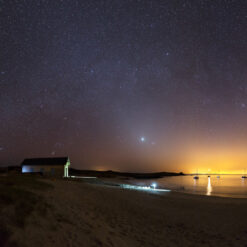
{"points": [[81, 214]]}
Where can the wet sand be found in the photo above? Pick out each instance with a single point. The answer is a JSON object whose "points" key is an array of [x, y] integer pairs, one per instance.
{"points": [[82, 214]]}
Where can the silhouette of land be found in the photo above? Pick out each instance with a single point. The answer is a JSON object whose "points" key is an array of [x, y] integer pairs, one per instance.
{"points": [[112, 174]]}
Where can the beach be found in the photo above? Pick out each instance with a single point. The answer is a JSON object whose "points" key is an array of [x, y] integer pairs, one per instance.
{"points": [[87, 214]]}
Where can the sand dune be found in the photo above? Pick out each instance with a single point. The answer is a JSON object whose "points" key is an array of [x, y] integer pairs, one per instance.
{"points": [[81, 214]]}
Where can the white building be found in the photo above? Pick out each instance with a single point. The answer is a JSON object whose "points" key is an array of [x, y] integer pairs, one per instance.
{"points": [[47, 166]]}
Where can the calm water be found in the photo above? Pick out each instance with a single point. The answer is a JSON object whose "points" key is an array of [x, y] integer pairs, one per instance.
{"points": [[226, 185]]}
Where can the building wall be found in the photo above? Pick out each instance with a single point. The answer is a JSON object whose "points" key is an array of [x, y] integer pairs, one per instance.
{"points": [[46, 170]]}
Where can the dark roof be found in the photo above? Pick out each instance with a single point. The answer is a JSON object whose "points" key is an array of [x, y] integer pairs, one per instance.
{"points": [[46, 161]]}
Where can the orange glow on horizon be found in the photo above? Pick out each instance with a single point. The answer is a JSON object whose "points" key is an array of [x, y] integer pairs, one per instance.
{"points": [[221, 172], [233, 161]]}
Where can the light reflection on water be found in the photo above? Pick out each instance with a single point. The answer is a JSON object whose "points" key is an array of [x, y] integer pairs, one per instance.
{"points": [[209, 187], [226, 185]]}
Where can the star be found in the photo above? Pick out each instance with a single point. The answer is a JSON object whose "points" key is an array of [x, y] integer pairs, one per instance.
{"points": [[142, 139], [145, 66]]}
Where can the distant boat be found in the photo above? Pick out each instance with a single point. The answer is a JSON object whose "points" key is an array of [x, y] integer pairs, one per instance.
{"points": [[196, 176], [244, 176], [218, 175]]}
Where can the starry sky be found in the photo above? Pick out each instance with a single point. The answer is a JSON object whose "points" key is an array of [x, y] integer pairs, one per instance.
{"points": [[128, 85]]}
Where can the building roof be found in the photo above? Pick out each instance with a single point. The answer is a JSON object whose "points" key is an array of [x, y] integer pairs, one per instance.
{"points": [[61, 161]]}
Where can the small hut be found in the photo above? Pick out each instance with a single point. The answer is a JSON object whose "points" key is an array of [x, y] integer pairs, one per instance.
{"points": [[47, 166]]}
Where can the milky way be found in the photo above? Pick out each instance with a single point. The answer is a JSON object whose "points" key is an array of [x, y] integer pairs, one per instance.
{"points": [[122, 85]]}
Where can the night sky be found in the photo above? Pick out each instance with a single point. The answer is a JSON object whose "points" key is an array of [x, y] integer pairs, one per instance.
{"points": [[125, 85]]}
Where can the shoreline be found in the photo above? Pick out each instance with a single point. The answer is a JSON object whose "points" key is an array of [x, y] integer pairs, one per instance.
{"points": [[118, 182], [78, 213]]}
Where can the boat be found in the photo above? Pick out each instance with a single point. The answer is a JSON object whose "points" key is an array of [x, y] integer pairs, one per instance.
{"points": [[244, 176], [196, 176]]}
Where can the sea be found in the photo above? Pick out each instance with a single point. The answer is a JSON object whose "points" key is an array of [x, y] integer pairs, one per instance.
{"points": [[209, 185]]}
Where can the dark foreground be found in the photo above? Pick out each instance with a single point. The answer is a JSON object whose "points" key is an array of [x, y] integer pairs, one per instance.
{"points": [[61, 213]]}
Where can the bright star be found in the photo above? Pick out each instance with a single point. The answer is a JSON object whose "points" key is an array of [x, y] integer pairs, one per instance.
{"points": [[142, 139]]}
